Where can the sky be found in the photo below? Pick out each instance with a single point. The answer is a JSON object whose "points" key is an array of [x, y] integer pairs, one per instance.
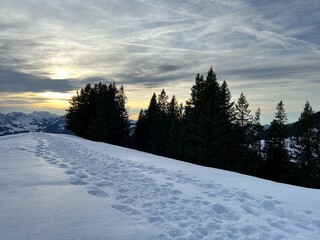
{"points": [[269, 50]]}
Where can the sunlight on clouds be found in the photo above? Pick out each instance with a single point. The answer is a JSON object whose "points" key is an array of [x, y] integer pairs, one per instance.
{"points": [[52, 104], [56, 95], [60, 73], [55, 102]]}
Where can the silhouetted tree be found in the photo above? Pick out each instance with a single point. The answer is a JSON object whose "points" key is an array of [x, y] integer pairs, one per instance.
{"points": [[175, 144], [78, 115], [159, 126], [208, 122], [244, 133], [277, 160], [99, 113], [142, 134], [256, 145], [305, 145]]}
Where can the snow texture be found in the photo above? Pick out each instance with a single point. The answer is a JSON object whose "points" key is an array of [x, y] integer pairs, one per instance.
{"points": [[64, 187]]}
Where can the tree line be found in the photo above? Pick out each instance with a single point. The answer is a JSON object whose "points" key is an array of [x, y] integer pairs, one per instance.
{"points": [[209, 130]]}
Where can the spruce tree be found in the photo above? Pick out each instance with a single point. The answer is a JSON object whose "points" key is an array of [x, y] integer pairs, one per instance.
{"points": [[79, 114], [243, 117], [305, 145], [228, 112], [243, 124], [143, 131], [277, 161], [99, 113], [159, 129], [256, 157], [225, 128], [174, 146], [208, 122]]}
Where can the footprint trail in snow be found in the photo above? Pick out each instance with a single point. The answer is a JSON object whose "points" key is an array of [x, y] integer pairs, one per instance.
{"points": [[180, 205]]}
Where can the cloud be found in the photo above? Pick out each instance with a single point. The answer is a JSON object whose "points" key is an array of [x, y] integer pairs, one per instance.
{"points": [[12, 81], [148, 44]]}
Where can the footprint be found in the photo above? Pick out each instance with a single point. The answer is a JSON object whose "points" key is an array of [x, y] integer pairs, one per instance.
{"points": [[97, 192], [77, 181], [126, 209], [70, 172], [82, 175], [63, 165], [268, 205], [224, 212], [248, 230]]}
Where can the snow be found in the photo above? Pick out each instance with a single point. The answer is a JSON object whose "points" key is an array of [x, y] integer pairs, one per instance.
{"points": [[64, 187], [18, 122]]}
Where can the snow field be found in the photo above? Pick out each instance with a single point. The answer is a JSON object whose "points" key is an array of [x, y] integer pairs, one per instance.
{"points": [[100, 191], [180, 205]]}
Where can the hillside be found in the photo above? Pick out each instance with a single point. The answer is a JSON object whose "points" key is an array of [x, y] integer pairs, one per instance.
{"points": [[291, 129], [18, 122], [64, 187]]}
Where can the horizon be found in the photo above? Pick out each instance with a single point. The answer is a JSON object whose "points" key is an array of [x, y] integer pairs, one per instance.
{"points": [[269, 50], [130, 119]]}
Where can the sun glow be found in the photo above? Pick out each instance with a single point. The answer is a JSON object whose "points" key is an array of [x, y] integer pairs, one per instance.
{"points": [[56, 100], [56, 95], [60, 73]]}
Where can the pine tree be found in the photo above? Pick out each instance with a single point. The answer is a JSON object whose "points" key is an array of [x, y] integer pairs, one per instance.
{"points": [[174, 147], [141, 132], [243, 117], [159, 129], [228, 112], [243, 123], [225, 128], [256, 156], [277, 161], [78, 115], [99, 113], [305, 146], [208, 124]]}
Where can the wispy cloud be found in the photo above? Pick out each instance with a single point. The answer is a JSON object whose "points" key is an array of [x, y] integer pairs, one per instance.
{"points": [[147, 45]]}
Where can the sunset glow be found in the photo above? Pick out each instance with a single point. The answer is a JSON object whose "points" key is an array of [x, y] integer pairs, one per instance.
{"points": [[269, 50], [60, 73]]}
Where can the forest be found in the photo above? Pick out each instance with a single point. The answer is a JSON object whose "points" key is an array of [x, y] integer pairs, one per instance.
{"points": [[209, 130]]}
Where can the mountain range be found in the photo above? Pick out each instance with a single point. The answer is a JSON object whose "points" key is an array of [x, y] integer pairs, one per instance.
{"points": [[37, 121]]}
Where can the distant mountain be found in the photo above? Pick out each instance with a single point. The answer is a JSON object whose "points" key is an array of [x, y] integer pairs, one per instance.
{"points": [[291, 129], [38, 121]]}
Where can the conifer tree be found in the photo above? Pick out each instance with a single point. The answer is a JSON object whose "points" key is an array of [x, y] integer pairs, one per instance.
{"points": [[305, 145], [256, 156], [99, 113], [243, 117], [243, 125], [226, 129], [277, 161], [159, 129], [141, 132], [78, 115], [174, 147], [227, 111], [208, 122]]}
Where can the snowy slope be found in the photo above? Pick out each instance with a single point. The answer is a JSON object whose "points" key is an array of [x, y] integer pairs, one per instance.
{"points": [[64, 187], [37, 121]]}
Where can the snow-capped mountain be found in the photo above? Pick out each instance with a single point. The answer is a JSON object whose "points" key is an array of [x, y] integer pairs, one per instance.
{"points": [[38, 121]]}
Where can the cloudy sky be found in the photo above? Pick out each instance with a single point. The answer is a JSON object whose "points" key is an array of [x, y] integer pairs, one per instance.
{"points": [[270, 50]]}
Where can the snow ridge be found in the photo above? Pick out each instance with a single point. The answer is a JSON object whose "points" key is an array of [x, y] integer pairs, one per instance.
{"points": [[37, 121], [181, 206]]}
